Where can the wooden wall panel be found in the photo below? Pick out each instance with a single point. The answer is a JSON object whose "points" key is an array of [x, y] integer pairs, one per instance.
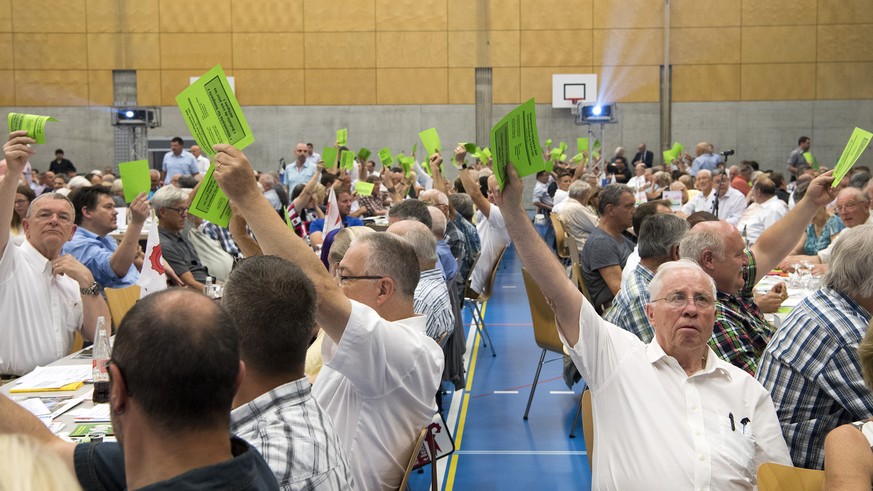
{"points": [[195, 16], [195, 51], [846, 12], [845, 80], [48, 16], [7, 80], [6, 52], [556, 14], [778, 82], [341, 86], [556, 48], [122, 16], [483, 15], [340, 50], [123, 51], [506, 85], [704, 13], [779, 44], [411, 15], [51, 88], [616, 14], [100, 88], [267, 15], [484, 48], [780, 12], [845, 42], [268, 50], [704, 45], [427, 49], [269, 87], [5, 15], [50, 51], [419, 86], [626, 83], [148, 88], [462, 85], [339, 15], [628, 46], [699, 83]]}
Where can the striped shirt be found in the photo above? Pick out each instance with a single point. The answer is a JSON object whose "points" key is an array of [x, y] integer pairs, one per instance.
{"points": [[628, 310], [432, 300], [741, 333], [296, 437], [812, 371]]}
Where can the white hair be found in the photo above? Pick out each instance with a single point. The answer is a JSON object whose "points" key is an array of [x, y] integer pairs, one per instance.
{"points": [[657, 282]]}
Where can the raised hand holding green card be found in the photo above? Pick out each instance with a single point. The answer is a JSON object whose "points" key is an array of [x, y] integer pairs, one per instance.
{"points": [[342, 137], [514, 140], [33, 124], [134, 178]]}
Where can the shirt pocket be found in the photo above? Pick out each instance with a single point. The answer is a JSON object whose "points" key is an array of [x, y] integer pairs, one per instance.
{"points": [[738, 445]]}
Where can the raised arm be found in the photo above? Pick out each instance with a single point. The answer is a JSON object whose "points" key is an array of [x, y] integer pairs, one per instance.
{"points": [[548, 273], [777, 241], [233, 173], [237, 228], [16, 153], [471, 186], [439, 183], [123, 257], [305, 196]]}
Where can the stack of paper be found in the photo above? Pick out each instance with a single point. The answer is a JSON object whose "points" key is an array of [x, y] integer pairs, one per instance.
{"points": [[53, 378]]}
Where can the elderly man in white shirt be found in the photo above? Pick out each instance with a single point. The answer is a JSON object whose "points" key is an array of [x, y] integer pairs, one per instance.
{"points": [[763, 213], [685, 418], [730, 203], [701, 201], [45, 296], [381, 372]]}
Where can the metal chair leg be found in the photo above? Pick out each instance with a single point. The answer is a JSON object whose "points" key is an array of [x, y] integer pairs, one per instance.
{"points": [[578, 413], [483, 330], [533, 387]]}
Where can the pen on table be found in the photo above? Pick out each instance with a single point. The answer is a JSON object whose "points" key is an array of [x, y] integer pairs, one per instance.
{"points": [[731, 418]]}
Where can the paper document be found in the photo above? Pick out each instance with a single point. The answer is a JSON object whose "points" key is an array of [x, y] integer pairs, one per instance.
{"points": [[58, 377], [514, 140]]}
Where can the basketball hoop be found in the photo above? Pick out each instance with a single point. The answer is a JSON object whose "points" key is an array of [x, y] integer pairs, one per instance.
{"points": [[574, 108]]}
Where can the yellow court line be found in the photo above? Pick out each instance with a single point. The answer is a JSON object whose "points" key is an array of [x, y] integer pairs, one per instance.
{"points": [[462, 418]]}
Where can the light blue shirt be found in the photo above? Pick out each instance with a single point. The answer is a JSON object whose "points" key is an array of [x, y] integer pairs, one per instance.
{"points": [[94, 252], [294, 176], [449, 265], [708, 161], [184, 163]]}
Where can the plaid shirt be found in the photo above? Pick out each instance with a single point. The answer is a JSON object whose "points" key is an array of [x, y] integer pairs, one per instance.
{"points": [[455, 240], [222, 235], [431, 298], [473, 247], [296, 438], [812, 371], [628, 310], [740, 333]]}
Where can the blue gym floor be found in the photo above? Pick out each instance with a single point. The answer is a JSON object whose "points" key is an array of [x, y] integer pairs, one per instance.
{"points": [[495, 447]]}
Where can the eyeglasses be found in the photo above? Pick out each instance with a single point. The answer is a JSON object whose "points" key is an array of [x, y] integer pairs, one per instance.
{"points": [[850, 206], [181, 211], [679, 300], [344, 278]]}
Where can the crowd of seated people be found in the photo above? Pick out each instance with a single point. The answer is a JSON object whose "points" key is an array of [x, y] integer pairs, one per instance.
{"points": [[674, 329]]}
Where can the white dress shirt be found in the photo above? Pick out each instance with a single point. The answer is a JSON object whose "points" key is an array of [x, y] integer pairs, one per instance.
{"points": [[40, 310], [655, 427], [698, 202], [379, 386], [760, 217], [731, 206]]}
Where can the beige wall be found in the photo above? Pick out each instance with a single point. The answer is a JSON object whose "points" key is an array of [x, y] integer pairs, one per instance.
{"points": [[332, 52]]}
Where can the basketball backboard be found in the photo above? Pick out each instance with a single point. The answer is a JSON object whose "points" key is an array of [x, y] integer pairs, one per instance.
{"points": [[569, 89]]}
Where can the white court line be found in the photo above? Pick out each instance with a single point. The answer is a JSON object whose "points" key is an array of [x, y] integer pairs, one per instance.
{"points": [[453, 416], [561, 392], [506, 392], [521, 452], [510, 286]]}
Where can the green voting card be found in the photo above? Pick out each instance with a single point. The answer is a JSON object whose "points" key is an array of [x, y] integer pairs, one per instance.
{"points": [[515, 140], [135, 178], [578, 157], [431, 141], [556, 153], [347, 159], [385, 157], [548, 142], [582, 144], [858, 142], [563, 147], [471, 148], [405, 163], [212, 113], [677, 150], [328, 155], [364, 188], [342, 137], [33, 124], [364, 154], [668, 156]]}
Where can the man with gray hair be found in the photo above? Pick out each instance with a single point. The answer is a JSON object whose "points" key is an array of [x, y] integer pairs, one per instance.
{"points": [[431, 296], [811, 365], [452, 237], [380, 370], [658, 243], [46, 296], [578, 218], [764, 212], [741, 332], [463, 205], [171, 207], [607, 249], [448, 263], [687, 399]]}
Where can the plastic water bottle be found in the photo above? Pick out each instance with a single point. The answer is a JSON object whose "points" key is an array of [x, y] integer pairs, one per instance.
{"points": [[208, 287], [100, 361]]}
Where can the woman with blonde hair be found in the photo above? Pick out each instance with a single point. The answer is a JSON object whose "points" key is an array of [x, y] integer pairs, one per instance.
{"points": [[28, 465]]}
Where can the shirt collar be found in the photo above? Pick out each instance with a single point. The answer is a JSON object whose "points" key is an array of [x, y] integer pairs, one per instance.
{"points": [[655, 353], [35, 257], [292, 393]]}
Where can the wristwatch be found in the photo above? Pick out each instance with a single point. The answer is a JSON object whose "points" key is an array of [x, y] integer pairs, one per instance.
{"points": [[94, 289]]}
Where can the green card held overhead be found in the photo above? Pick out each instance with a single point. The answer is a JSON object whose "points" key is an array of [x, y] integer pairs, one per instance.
{"points": [[364, 154], [471, 148], [808, 157], [582, 144], [329, 155], [364, 188], [342, 137], [486, 152], [578, 157], [514, 140], [563, 147], [556, 154], [33, 124], [677, 150], [668, 156], [213, 116], [596, 144], [414, 148], [548, 142], [135, 178], [405, 163], [347, 160], [431, 141], [385, 157], [550, 165], [858, 142]]}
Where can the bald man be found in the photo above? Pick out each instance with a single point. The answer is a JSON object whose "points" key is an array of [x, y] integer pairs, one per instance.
{"points": [[301, 170]]}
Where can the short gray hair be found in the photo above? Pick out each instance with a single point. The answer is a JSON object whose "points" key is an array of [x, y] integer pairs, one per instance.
{"points": [[167, 196], [704, 236], [657, 282], [50, 196], [342, 240], [463, 204], [394, 257], [611, 195], [851, 262], [439, 222], [580, 191], [659, 233]]}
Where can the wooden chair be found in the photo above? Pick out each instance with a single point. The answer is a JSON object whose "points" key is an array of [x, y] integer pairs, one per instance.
{"points": [[778, 477], [473, 300], [576, 268], [120, 300], [78, 342], [588, 427], [413, 458], [560, 236], [545, 329]]}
